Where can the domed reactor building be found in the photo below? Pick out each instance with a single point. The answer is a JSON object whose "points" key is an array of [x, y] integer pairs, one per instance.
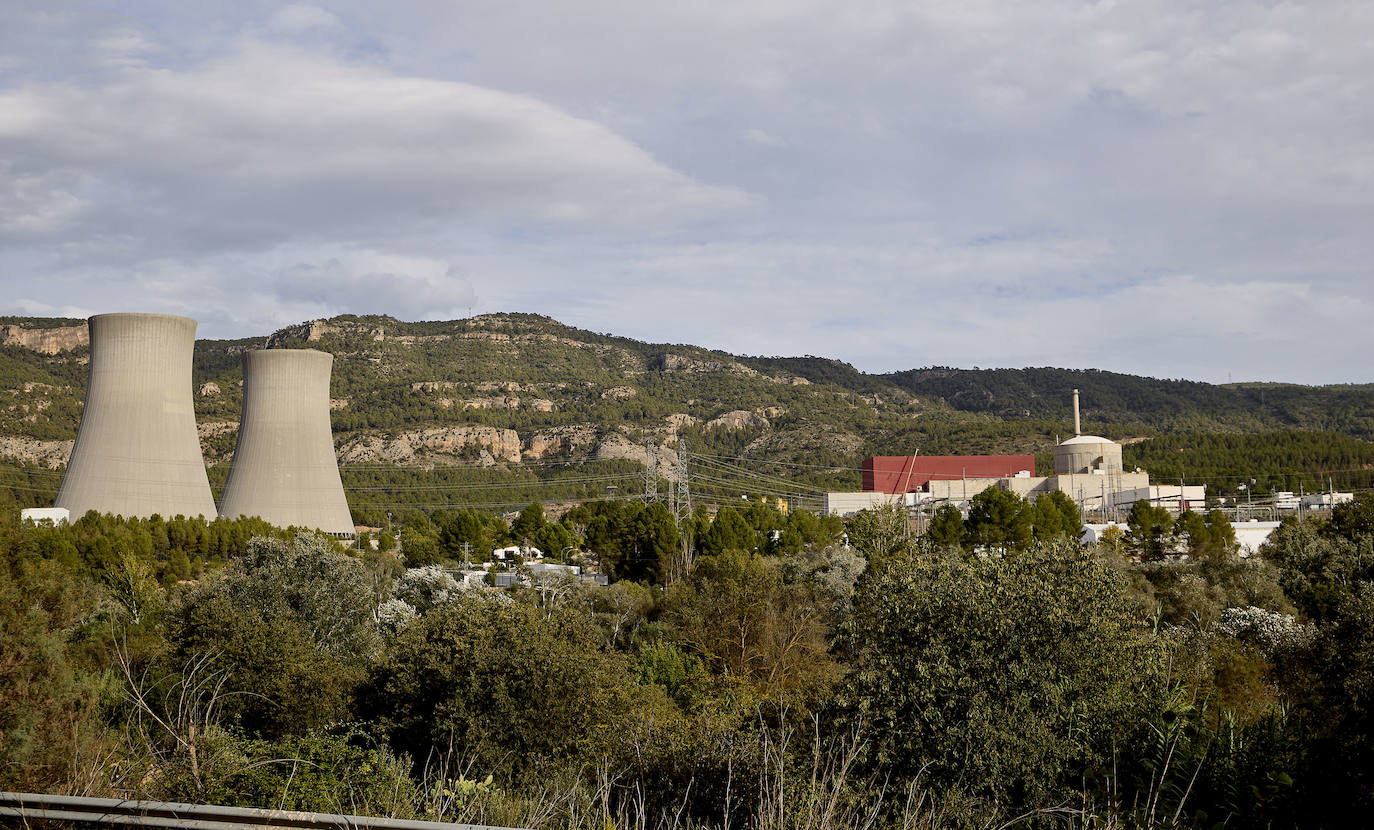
{"points": [[137, 451], [284, 469]]}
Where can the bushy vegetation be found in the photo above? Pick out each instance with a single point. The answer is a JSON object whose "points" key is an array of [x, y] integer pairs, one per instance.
{"points": [[751, 668]]}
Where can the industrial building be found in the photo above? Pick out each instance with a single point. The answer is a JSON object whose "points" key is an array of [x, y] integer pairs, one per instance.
{"points": [[284, 468], [1087, 468], [910, 473], [137, 452]]}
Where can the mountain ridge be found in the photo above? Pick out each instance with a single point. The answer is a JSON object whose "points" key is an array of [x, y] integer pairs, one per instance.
{"points": [[509, 390]]}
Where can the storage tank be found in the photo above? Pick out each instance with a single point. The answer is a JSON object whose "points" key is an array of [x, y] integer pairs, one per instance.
{"points": [[284, 468], [137, 451], [1087, 454]]}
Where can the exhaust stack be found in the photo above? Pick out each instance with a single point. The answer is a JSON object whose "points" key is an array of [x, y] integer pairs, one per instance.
{"points": [[1077, 428]]}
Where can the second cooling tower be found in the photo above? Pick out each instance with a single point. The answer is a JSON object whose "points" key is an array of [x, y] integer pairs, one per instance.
{"points": [[284, 468]]}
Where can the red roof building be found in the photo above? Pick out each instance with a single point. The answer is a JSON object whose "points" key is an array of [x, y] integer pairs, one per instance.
{"points": [[909, 473]]}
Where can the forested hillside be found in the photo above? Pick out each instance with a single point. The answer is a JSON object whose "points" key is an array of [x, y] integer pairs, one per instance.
{"points": [[497, 410]]}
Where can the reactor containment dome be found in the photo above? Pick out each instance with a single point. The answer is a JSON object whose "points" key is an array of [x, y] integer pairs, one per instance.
{"points": [[1087, 454], [284, 469], [137, 451]]}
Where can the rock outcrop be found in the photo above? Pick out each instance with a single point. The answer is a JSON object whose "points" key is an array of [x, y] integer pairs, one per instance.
{"points": [[738, 419], [31, 451], [435, 446], [576, 439], [46, 341]]}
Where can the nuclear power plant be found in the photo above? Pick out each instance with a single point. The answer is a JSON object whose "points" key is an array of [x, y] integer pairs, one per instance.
{"points": [[1087, 468], [137, 451], [284, 468]]}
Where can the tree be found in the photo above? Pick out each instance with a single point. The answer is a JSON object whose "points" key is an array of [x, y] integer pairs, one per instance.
{"points": [[739, 614], [1013, 677], [946, 527], [464, 534], [999, 519], [652, 541], [419, 549], [1149, 530], [386, 542], [293, 622], [879, 533], [728, 531], [1055, 514], [506, 686], [528, 523], [1353, 518]]}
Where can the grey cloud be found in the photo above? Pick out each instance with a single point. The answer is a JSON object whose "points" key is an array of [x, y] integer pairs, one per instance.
{"points": [[430, 291], [1175, 188], [271, 144]]}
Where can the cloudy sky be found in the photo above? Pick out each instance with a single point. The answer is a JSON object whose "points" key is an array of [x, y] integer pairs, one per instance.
{"points": [[1175, 188]]}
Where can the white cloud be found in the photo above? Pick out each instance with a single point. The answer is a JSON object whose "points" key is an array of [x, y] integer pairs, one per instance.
{"points": [[410, 288], [952, 181], [300, 17], [270, 144]]}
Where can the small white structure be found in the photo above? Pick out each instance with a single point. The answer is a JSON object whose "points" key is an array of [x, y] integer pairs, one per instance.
{"points": [[1250, 535], [1093, 533], [847, 504], [50, 516], [1326, 501], [1172, 497], [1285, 500], [540, 568], [527, 553]]}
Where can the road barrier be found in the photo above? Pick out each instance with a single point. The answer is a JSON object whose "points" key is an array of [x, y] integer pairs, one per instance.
{"points": [[122, 812]]}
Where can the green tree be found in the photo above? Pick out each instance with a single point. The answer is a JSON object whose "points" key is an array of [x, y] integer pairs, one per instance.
{"points": [[739, 614], [1015, 677], [419, 549], [728, 531], [293, 622], [999, 519], [1149, 530], [528, 523], [879, 533], [506, 687], [1055, 514], [946, 527], [465, 535]]}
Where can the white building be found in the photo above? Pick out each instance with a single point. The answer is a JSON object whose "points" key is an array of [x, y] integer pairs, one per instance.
{"points": [[50, 516]]}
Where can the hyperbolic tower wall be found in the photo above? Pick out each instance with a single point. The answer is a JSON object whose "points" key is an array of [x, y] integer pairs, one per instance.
{"points": [[284, 468], [137, 451]]}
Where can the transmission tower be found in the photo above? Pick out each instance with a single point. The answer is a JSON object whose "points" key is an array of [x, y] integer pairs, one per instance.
{"points": [[682, 508], [650, 474]]}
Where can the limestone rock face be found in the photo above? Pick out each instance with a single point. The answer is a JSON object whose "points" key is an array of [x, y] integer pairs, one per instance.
{"points": [[677, 421], [209, 389], [25, 450], [46, 341], [437, 446], [619, 445], [739, 419], [566, 440]]}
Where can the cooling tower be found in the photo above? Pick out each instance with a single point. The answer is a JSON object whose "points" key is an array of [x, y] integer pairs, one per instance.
{"points": [[284, 468], [137, 451]]}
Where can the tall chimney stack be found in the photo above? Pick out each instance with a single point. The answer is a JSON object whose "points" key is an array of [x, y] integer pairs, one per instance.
{"points": [[1077, 428]]}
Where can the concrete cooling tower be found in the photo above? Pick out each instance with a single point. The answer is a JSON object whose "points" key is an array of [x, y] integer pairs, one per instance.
{"points": [[137, 451], [284, 468]]}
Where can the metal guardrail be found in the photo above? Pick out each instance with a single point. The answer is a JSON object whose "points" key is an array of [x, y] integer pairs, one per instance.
{"points": [[120, 812]]}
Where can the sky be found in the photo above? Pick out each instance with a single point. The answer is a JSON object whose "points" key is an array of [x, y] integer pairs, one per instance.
{"points": [[1171, 188]]}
